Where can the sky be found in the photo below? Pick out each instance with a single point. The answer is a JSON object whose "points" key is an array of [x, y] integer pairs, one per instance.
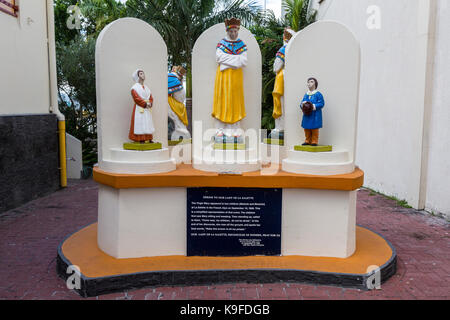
{"points": [[274, 5]]}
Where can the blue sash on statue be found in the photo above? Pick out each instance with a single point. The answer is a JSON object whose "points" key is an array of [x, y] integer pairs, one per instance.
{"points": [[175, 84], [232, 47], [282, 53]]}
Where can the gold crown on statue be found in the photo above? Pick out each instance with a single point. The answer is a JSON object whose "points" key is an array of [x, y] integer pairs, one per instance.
{"points": [[180, 70], [232, 23], [288, 33]]}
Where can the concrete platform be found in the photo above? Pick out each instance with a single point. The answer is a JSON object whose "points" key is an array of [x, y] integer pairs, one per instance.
{"points": [[318, 213], [30, 235], [101, 273]]}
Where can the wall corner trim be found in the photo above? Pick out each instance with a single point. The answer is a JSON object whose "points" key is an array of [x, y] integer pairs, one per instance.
{"points": [[427, 13]]}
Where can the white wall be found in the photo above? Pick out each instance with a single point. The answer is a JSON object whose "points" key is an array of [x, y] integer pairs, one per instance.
{"points": [[438, 182], [74, 155], [24, 72], [392, 145]]}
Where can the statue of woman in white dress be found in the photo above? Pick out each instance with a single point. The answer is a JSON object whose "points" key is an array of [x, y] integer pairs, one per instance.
{"points": [[142, 127]]}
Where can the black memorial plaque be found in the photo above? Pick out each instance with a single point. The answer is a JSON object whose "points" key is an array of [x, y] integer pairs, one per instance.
{"points": [[233, 221]]}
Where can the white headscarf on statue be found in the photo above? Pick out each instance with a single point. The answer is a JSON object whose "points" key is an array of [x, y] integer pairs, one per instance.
{"points": [[136, 75], [137, 85], [144, 92]]}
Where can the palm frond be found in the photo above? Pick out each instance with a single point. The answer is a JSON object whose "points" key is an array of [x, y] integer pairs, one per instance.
{"points": [[246, 11], [298, 13]]}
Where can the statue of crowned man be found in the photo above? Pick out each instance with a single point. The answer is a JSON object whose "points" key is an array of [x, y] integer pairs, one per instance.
{"points": [[177, 108], [278, 90], [228, 104]]}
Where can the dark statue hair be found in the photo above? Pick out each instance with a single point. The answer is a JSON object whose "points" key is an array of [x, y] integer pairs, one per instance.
{"points": [[315, 80]]}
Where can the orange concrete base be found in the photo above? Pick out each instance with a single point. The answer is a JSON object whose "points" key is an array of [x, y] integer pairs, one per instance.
{"points": [[188, 177], [102, 273]]}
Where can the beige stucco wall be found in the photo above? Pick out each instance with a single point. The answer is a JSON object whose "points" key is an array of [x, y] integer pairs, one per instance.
{"points": [[24, 72], [438, 183], [400, 148]]}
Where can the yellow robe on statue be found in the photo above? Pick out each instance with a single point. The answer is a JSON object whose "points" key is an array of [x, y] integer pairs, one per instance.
{"points": [[228, 105], [278, 92], [179, 109]]}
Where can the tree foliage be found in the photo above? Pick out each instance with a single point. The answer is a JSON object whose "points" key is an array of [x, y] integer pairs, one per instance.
{"points": [[181, 22], [99, 13], [63, 35], [298, 13], [268, 32], [75, 50], [77, 93]]}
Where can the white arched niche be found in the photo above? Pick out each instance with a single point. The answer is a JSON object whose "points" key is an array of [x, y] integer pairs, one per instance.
{"points": [[204, 68], [329, 52], [122, 47]]}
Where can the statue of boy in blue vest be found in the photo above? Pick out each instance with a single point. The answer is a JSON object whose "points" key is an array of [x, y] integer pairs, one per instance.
{"points": [[312, 105]]}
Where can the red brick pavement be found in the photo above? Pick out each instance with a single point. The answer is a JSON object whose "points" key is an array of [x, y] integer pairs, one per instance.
{"points": [[30, 235]]}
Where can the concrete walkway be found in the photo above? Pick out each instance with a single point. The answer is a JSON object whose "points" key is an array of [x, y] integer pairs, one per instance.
{"points": [[30, 235]]}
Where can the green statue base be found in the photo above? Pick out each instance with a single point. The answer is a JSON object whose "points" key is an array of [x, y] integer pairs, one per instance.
{"points": [[142, 146], [229, 146], [278, 142], [314, 148], [177, 142]]}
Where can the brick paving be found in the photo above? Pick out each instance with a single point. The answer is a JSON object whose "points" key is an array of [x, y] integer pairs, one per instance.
{"points": [[30, 235]]}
